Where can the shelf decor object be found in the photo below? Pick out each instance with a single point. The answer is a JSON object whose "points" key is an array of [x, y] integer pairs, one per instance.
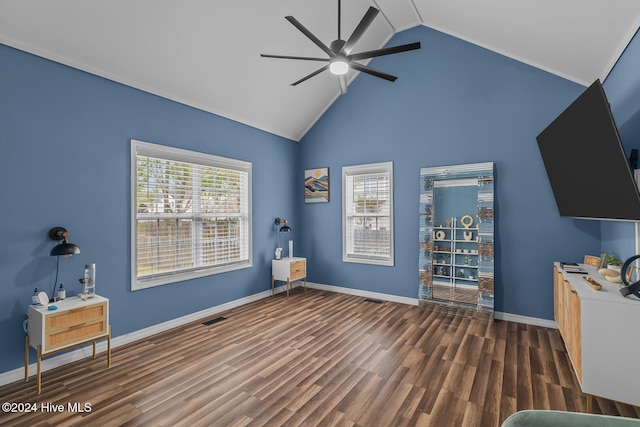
{"points": [[456, 260]]}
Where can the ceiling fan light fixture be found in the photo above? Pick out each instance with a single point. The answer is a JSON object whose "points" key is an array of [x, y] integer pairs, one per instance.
{"points": [[339, 67], [340, 56]]}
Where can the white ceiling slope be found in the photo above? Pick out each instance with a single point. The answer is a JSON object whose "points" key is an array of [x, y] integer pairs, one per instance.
{"points": [[205, 53]]}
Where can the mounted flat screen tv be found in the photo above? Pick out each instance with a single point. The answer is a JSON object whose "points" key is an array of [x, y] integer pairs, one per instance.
{"points": [[589, 173]]}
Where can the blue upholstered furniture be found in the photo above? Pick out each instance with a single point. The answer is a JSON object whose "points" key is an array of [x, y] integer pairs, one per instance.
{"points": [[533, 418]]}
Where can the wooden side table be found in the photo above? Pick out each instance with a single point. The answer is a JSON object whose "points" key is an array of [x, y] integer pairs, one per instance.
{"points": [[74, 323], [288, 270]]}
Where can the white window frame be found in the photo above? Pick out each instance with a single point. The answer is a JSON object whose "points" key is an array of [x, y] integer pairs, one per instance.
{"points": [[348, 172], [181, 155]]}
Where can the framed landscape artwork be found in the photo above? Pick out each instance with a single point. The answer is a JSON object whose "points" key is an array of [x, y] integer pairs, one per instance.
{"points": [[316, 185]]}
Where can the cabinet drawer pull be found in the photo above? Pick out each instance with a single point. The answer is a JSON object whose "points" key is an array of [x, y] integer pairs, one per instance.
{"points": [[79, 325]]}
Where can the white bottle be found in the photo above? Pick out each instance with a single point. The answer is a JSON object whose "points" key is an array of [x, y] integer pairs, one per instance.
{"points": [[62, 293], [34, 297]]}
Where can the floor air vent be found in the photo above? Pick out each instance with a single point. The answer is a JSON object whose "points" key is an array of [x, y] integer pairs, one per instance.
{"points": [[375, 301], [216, 320]]}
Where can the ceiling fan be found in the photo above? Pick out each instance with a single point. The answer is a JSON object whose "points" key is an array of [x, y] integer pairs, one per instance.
{"points": [[340, 59]]}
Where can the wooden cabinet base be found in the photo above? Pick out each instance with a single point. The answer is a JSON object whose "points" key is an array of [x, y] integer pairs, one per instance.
{"points": [[41, 355], [289, 285], [591, 323]]}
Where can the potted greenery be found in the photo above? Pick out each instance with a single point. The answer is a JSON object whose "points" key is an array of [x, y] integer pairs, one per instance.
{"points": [[613, 262]]}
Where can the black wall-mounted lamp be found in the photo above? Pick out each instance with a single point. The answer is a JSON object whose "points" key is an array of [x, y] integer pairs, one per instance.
{"points": [[63, 248], [285, 228]]}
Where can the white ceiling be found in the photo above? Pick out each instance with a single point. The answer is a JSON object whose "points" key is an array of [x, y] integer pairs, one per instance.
{"points": [[205, 53]]}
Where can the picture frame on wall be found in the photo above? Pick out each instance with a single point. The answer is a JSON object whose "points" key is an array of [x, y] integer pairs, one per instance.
{"points": [[316, 185]]}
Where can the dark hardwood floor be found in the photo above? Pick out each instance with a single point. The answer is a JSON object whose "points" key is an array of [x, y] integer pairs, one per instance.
{"points": [[317, 359]]}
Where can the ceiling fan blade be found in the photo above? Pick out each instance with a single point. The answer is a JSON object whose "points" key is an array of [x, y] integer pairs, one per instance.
{"points": [[303, 58], [373, 72], [384, 51], [366, 20], [343, 83], [316, 72], [311, 37]]}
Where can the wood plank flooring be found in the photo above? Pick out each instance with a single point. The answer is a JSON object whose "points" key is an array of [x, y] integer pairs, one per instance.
{"points": [[458, 294], [317, 359]]}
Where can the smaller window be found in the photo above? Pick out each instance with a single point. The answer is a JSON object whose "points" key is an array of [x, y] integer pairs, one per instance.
{"points": [[367, 214]]}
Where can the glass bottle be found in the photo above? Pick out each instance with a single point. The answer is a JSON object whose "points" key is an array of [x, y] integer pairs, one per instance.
{"points": [[89, 285]]}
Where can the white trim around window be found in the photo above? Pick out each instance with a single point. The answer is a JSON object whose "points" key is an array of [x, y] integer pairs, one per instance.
{"points": [[190, 215], [367, 214]]}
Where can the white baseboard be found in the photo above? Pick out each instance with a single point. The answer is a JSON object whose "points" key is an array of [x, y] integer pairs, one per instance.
{"points": [[536, 321], [545, 323], [83, 352], [366, 294]]}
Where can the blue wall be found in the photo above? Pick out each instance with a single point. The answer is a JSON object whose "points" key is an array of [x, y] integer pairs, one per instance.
{"points": [[622, 87], [64, 161], [453, 103]]}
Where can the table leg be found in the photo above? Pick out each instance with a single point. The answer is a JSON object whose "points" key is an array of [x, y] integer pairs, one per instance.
{"points": [[26, 358], [109, 348], [272, 289], [288, 284], [305, 284], [94, 349], [589, 404], [38, 381]]}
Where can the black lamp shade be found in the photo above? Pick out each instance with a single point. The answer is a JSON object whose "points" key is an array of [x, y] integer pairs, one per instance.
{"points": [[285, 228], [65, 248]]}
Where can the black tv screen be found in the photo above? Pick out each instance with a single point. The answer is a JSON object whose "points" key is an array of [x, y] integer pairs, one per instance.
{"points": [[585, 161]]}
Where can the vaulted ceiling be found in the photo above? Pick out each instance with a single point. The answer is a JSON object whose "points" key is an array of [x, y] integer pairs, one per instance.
{"points": [[206, 53]]}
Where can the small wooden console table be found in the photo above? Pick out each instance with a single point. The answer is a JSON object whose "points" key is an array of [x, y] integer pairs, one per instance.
{"points": [[74, 323]]}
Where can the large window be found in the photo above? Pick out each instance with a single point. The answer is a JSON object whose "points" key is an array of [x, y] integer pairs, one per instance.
{"points": [[191, 214], [367, 213]]}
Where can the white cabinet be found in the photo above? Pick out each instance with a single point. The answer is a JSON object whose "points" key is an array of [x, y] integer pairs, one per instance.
{"points": [[599, 330], [74, 323], [288, 270]]}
